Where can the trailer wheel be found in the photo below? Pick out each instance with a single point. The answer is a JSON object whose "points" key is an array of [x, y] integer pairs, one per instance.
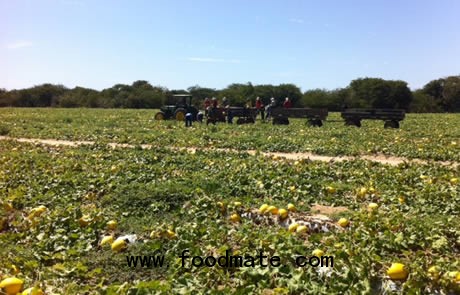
{"points": [[213, 121], [391, 124], [280, 120], [353, 122], [315, 122]]}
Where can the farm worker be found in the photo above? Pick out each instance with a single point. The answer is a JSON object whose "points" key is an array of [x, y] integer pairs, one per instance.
{"points": [[207, 104], [260, 108], [270, 107], [287, 103], [212, 108], [188, 120], [229, 117], [199, 116], [224, 102]]}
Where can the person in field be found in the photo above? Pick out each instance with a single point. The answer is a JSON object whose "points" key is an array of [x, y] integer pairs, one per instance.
{"points": [[213, 108], [225, 103], [188, 119], [200, 116], [287, 103], [207, 105], [269, 108], [260, 108]]}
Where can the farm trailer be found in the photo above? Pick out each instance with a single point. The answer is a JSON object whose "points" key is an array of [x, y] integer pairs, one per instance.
{"points": [[391, 117], [245, 115], [315, 117]]}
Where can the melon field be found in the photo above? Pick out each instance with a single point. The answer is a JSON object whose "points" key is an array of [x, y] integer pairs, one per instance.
{"points": [[96, 187]]}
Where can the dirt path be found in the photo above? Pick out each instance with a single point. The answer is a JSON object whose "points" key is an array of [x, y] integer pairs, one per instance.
{"points": [[382, 159]]}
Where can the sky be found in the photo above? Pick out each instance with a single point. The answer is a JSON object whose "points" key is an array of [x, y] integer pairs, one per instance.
{"points": [[213, 43]]}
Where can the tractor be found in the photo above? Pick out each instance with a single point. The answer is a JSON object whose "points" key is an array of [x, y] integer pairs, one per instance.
{"points": [[183, 106]]}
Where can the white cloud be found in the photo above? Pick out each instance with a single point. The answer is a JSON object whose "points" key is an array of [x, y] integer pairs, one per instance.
{"points": [[19, 44], [213, 60], [296, 20]]}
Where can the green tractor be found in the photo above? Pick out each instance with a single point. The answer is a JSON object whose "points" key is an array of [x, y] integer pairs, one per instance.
{"points": [[183, 106]]}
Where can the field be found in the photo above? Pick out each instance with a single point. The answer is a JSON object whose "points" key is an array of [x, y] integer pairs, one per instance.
{"points": [[199, 200], [429, 136]]}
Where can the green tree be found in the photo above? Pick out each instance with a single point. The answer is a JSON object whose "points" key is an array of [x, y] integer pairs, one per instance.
{"points": [[333, 100], [200, 93], [237, 94], [116, 96], [265, 92], [44, 95], [80, 97], [288, 90], [446, 93], [451, 94], [315, 98], [379, 93], [143, 95], [434, 88], [4, 98], [424, 103]]}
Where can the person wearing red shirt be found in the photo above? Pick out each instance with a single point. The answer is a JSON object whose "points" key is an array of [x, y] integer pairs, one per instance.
{"points": [[287, 103], [260, 108]]}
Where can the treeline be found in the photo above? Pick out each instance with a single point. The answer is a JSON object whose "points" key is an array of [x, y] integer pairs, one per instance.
{"points": [[441, 95]]}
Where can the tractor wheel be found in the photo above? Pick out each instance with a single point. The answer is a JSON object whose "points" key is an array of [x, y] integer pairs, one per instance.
{"points": [[160, 116], [179, 115]]}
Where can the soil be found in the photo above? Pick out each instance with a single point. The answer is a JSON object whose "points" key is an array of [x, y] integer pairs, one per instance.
{"points": [[382, 159], [327, 210]]}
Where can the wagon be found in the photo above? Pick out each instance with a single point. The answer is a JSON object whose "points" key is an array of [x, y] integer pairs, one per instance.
{"points": [[391, 117], [315, 117], [244, 115]]}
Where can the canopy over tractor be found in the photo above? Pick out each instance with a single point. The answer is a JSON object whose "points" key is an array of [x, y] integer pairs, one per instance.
{"points": [[177, 111]]}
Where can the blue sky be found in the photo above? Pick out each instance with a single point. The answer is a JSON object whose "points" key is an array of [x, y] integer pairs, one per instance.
{"points": [[177, 44]]}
